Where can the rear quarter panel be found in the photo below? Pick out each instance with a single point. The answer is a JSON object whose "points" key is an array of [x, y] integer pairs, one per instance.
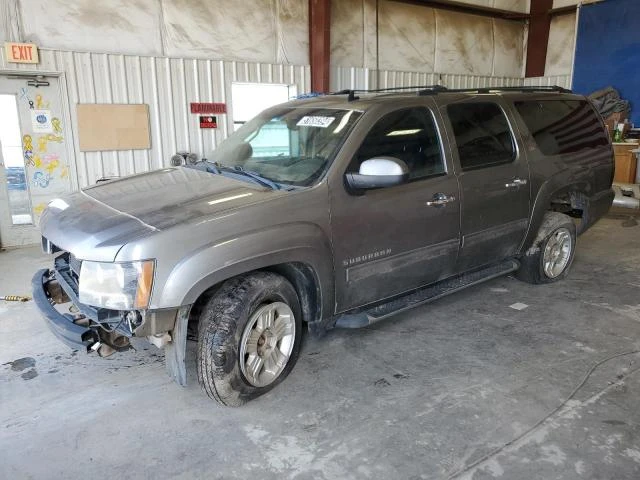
{"points": [[588, 171]]}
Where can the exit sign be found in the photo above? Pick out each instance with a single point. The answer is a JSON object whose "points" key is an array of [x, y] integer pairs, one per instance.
{"points": [[21, 52]]}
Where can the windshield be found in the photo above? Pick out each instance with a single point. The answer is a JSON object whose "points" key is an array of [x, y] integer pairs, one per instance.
{"points": [[292, 146]]}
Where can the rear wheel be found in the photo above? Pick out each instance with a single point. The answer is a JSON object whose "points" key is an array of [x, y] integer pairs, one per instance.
{"points": [[551, 255], [249, 337]]}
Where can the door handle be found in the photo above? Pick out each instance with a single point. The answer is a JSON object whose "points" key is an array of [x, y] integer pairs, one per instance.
{"points": [[440, 200], [517, 182]]}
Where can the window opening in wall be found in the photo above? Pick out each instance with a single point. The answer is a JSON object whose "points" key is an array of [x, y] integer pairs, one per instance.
{"points": [[12, 157], [249, 99]]}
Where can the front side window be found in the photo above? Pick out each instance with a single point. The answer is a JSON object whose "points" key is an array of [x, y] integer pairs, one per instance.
{"points": [[409, 135], [482, 133], [562, 126], [291, 146]]}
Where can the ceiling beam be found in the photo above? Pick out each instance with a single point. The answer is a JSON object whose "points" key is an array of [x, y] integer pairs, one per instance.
{"points": [[554, 12], [461, 7]]}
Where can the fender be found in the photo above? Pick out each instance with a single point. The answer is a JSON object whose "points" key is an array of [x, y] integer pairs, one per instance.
{"points": [[294, 242], [551, 188]]}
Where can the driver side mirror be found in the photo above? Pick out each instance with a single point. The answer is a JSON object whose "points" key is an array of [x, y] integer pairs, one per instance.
{"points": [[379, 172]]}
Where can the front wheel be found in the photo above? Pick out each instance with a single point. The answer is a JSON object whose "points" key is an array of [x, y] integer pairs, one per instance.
{"points": [[551, 255], [249, 337]]}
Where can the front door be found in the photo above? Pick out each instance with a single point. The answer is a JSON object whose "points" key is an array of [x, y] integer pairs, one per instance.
{"points": [[34, 166], [390, 240], [494, 182]]}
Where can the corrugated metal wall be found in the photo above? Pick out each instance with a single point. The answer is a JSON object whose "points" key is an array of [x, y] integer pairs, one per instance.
{"points": [[559, 80], [167, 85], [365, 78]]}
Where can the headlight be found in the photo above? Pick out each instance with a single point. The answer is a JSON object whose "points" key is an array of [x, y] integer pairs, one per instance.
{"points": [[118, 286]]}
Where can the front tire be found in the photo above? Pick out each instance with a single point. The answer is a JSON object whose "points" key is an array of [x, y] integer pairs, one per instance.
{"points": [[249, 337], [550, 256]]}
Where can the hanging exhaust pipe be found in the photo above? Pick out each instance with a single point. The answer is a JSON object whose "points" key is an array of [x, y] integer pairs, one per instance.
{"points": [[627, 195]]}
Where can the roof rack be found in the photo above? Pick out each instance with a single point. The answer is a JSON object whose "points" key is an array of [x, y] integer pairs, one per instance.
{"points": [[352, 93], [524, 89], [435, 89]]}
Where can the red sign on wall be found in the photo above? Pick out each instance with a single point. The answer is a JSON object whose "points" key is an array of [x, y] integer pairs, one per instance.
{"points": [[208, 122], [208, 108], [21, 52]]}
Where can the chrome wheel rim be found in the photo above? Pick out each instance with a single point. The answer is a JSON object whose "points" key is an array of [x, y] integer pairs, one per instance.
{"points": [[267, 343], [557, 253]]}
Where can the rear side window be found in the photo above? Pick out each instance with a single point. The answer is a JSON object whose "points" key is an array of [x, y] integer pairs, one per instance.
{"points": [[482, 134], [562, 126]]}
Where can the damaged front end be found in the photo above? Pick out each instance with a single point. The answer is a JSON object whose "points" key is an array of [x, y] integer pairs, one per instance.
{"points": [[82, 326]]}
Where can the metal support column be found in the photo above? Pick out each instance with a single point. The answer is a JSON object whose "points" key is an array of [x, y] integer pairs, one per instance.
{"points": [[319, 28], [538, 39]]}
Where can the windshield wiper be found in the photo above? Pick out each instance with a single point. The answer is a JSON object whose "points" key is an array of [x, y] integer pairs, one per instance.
{"points": [[265, 182], [218, 168]]}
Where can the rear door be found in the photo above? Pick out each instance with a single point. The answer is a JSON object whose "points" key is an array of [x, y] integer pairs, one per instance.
{"points": [[494, 181]]}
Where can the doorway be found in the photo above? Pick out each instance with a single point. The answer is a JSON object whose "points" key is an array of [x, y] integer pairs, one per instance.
{"points": [[34, 160]]}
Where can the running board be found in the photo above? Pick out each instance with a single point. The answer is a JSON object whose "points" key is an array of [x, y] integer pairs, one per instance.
{"points": [[425, 295]]}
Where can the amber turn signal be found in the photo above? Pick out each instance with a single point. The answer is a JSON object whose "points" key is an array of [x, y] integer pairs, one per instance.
{"points": [[145, 282]]}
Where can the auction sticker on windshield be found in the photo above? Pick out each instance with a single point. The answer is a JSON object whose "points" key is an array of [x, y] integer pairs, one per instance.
{"points": [[314, 121]]}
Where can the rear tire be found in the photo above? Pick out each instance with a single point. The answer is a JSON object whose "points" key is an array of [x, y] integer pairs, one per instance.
{"points": [[550, 256], [249, 337]]}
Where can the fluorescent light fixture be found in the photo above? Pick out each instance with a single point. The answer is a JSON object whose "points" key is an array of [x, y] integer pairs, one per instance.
{"points": [[59, 204], [228, 199], [343, 122], [396, 133], [226, 242]]}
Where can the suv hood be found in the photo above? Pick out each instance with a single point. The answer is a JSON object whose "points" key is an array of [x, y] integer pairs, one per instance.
{"points": [[95, 223]]}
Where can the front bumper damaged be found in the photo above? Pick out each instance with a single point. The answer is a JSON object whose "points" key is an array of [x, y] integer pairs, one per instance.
{"points": [[85, 326], [45, 290], [89, 328]]}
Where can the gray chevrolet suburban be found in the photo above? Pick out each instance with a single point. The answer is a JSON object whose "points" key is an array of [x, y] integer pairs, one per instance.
{"points": [[334, 211]]}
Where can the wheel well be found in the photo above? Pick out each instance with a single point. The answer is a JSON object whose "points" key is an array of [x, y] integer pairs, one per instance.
{"points": [[572, 203], [301, 276], [304, 280]]}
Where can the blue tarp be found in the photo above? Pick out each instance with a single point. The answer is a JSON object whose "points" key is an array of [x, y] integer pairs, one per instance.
{"points": [[608, 51]]}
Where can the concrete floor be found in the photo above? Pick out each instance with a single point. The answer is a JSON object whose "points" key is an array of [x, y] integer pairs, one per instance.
{"points": [[427, 394]]}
